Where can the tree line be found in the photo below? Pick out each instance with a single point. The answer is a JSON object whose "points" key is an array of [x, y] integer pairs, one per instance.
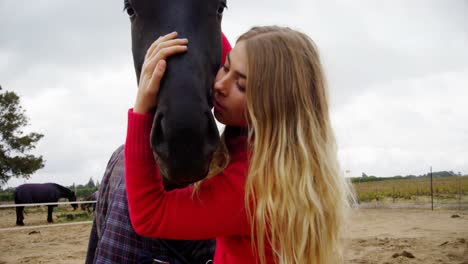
{"points": [[438, 174]]}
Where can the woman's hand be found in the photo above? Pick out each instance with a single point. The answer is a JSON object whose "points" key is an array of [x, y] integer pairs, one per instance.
{"points": [[153, 70]]}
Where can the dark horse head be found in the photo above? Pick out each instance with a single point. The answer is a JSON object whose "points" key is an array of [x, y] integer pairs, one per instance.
{"points": [[72, 198], [184, 134], [70, 195]]}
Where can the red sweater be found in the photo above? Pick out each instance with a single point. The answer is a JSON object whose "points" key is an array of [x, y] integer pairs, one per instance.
{"points": [[226, 48], [218, 211]]}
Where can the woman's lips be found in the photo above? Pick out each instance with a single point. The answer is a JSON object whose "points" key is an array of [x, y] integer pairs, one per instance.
{"points": [[218, 106]]}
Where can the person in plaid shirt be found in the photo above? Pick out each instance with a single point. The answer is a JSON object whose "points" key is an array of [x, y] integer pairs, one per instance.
{"points": [[113, 239]]}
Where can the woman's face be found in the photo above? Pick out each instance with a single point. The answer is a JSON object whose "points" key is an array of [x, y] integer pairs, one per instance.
{"points": [[230, 101]]}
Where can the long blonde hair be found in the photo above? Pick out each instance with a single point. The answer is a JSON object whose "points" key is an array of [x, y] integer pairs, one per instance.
{"points": [[296, 196]]}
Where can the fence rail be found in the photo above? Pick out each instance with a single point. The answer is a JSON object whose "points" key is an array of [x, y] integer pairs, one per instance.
{"points": [[43, 226], [40, 204]]}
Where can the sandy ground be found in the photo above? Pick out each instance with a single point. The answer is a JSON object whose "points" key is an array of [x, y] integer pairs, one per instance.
{"points": [[375, 236]]}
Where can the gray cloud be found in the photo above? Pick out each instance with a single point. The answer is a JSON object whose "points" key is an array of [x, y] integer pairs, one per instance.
{"points": [[406, 125], [68, 35]]}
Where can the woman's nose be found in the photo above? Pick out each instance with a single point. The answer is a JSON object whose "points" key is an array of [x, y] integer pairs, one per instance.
{"points": [[220, 85]]}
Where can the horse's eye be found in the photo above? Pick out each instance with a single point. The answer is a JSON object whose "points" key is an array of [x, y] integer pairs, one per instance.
{"points": [[221, 8], [129, 10]]}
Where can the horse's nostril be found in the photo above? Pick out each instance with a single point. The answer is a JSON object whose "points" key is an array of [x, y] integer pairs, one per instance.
{"points": [[159, 127], [158, 137], [160, 123]]}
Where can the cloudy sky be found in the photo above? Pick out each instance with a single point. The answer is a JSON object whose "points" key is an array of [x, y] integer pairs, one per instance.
{"points": [[397, 70]]}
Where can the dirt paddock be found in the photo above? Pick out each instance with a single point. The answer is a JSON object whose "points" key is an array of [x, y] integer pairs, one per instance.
{"points": [[380, 236]]}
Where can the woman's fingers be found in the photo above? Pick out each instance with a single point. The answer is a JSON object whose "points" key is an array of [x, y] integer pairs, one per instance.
{"points": [[161, 49], [163, 54], [152, 83], [163, 39], [157, 76], [153, 46], [153, 69], [163, 44]]}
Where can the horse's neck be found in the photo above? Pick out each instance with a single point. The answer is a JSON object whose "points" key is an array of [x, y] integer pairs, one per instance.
{"points": [[64, 192]]}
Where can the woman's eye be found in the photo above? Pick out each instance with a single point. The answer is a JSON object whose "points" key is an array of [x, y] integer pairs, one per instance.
{"points": [[240, 87], [225, 68]]}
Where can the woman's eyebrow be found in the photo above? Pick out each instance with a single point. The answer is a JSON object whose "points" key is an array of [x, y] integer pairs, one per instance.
{"points": [[240, 74]]}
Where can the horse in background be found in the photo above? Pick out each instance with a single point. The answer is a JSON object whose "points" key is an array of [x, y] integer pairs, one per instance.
{"points": [[41, 193], [88, 206]]}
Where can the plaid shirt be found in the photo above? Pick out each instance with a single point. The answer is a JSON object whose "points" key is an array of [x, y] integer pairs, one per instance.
{"points": [[113, 239]]}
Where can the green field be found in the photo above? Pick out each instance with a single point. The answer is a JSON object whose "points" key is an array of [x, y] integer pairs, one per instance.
{"points": [[416, 189]]}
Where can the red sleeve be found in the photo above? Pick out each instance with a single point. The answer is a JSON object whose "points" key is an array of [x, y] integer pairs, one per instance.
{"points": [[217, 210], [226, 48]]}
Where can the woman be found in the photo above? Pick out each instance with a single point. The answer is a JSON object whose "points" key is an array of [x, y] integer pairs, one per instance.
{"points": [[277, 194]]}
